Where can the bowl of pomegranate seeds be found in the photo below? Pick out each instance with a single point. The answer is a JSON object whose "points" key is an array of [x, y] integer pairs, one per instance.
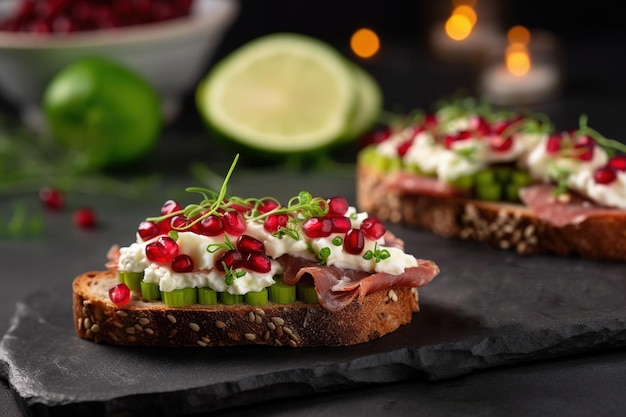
{"points": [[169, 42]]}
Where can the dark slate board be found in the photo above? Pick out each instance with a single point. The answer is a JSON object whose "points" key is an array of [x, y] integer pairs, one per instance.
{"points": [[487, 308]]}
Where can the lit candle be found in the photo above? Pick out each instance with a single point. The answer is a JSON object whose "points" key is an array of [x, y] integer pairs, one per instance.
{"points": [[521, 78], [465, 36]]}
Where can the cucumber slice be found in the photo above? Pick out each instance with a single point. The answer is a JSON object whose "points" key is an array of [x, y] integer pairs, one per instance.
{"points": [[179, 298], [256, 298], [131, 279], [306, 292], [150, 291], [230, 299], [282, 93], [489, 192], [282, 293], [207, 296]]}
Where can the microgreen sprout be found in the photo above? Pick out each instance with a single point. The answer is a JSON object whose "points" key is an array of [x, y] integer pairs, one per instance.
{"points": [[377, 254]]}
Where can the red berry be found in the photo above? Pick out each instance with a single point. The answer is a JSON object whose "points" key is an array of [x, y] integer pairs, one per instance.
{"points": [[604, 175], [148, 230], [247, 243], [210, 226], [275, 221], [85, 218], [51, 198], [354, 241], [170, 206], [182, 263], [258, 262], [341, 224], [120, 294], [337, 206], [372, 228], [618, 162], [232, 258], [553, 144], [317, 227], [234, 223], [165, 249]]}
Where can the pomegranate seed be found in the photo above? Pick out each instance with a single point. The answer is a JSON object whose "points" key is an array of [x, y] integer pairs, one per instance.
{"points": [[178, 222], [604, 175], [479, 125], [148, 230], [163, 250], [120, 294], [232, 258], [182, 263], [170, 206], [403, 148], [275, 221], [51, 198], [258, 262], [450, 139], [234, 223], [341, 224], [267, 205], [317, 227], [585, 144], [372, 228], [375, 137], [337, 206], [210, 226], [247, 243], [85, 218], [164, 227], [618, 162], [354, 241], [242, 208], [553, 144], [430, 121], [500, 144]]}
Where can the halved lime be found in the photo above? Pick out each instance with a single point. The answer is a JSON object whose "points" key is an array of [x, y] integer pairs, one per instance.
{"points": [[282, 93], [369, 104]]}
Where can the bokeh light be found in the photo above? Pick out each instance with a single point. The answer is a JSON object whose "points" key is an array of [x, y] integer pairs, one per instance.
{"points": [[365, 43]]}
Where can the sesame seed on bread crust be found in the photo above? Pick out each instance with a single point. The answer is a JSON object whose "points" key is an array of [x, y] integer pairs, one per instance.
{"points": [[152, 323], [503, 225]]}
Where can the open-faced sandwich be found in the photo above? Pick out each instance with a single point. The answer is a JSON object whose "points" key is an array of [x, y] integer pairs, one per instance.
{"points": [[234, 271], [504, 178]]}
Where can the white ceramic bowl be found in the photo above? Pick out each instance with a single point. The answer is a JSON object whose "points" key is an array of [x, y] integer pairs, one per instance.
{"points": [[171, 55]]}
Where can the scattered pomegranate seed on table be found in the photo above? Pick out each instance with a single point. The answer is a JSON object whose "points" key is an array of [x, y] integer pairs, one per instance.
{"points": [[51, 198], [85, 218]]}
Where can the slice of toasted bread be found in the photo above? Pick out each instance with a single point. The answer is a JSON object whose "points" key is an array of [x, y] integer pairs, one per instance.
{"points": [[507, 226], [152, 323]]}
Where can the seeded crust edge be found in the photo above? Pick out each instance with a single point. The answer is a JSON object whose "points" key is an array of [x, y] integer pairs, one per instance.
{"points": [[145, 323], [506, 226]]}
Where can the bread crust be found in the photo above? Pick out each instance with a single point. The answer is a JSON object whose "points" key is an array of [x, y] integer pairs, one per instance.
{"points": [[150, 323], [506, 226]]}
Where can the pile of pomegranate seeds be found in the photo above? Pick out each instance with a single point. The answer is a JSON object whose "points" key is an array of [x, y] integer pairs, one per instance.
{"points": [[68, 16]]}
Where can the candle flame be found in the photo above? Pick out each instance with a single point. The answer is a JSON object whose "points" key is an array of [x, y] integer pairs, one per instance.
{"points": [[365, 43], [461, 22], [517, 58]]}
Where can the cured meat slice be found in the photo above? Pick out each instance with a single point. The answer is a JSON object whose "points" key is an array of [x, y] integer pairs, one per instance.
{"points": [[418, 184], [336, 287], [573, 210]]}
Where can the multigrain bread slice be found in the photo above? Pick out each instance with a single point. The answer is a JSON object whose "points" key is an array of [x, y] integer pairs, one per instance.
{"points": [[152, 323], [503, 225]]}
